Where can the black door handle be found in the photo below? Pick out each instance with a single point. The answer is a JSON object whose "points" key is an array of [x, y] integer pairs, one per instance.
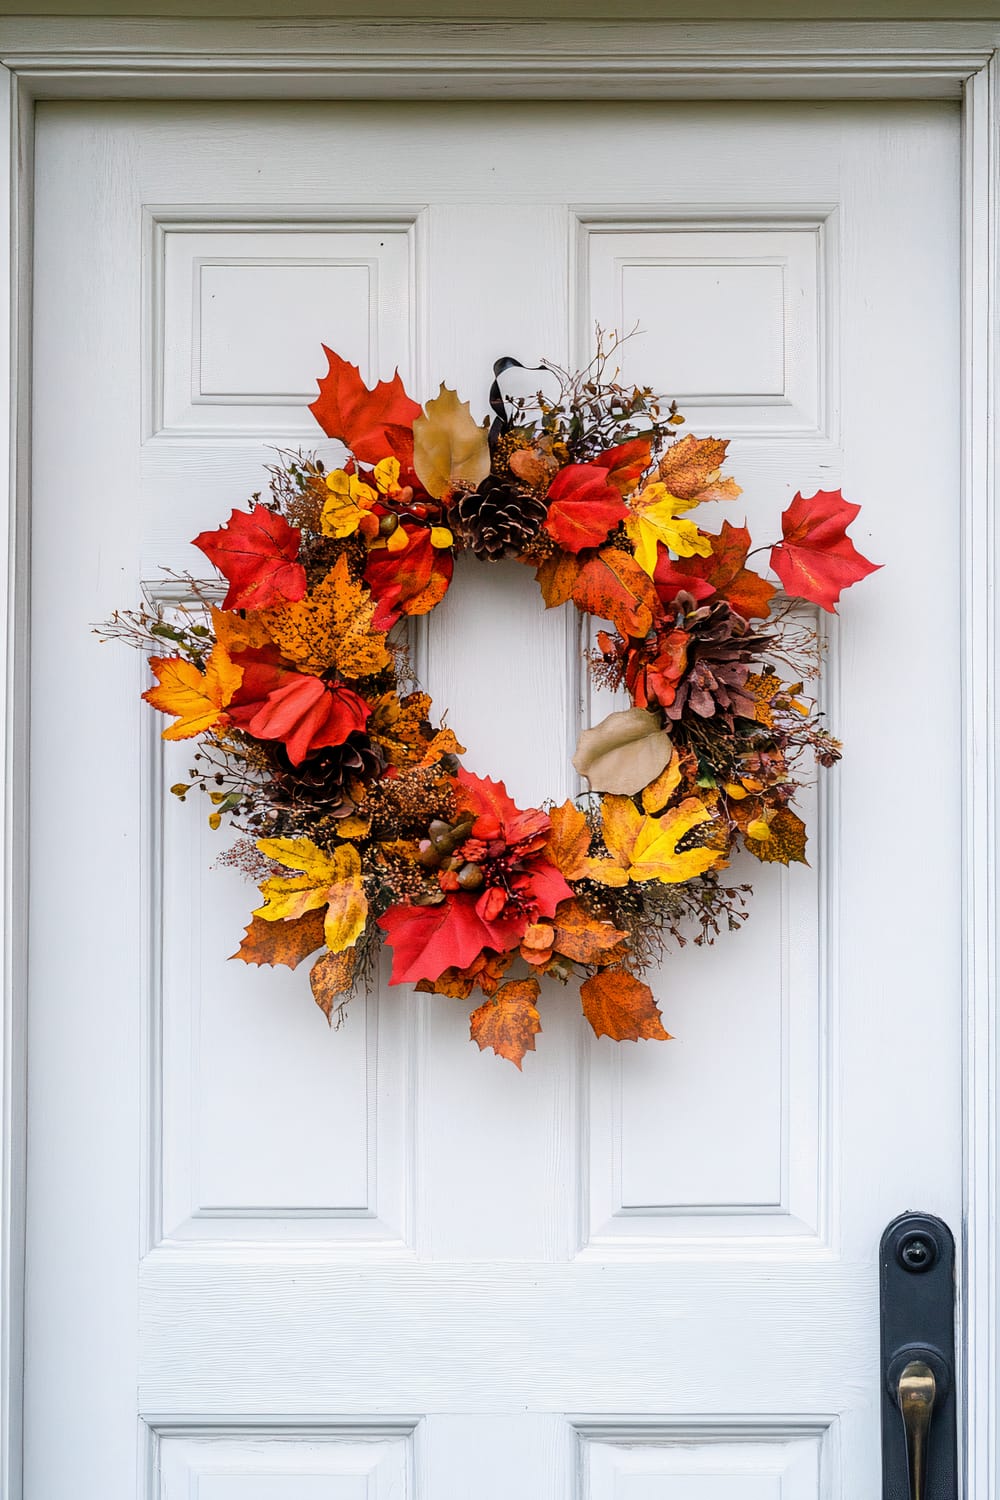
{"points": [[919, 1428]]}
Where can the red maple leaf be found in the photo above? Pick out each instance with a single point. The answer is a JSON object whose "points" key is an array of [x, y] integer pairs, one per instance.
{"points": [[723, 575], [817, 559], [276, 703], [410, 582], [584, 505], [257, 553], [626, 464], [489, 799], [346, 409], [426, 940]]}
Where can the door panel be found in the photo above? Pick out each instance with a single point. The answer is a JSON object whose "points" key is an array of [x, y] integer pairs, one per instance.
{"points": [[270, 1259]]}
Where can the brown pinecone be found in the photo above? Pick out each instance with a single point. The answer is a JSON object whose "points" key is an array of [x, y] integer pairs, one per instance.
{"points": [[722, 651], [497, 520], [319, 782]]}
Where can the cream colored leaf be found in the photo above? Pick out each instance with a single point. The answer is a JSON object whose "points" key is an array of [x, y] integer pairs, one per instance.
{"points": [[450, 451], [624, 753]]}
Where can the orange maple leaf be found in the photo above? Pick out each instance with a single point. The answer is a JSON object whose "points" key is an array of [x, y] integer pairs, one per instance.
{"points": [[198, 698], [332, 627], [509, 1022], [581, 936], [622, 1007], [613, 587], [556, 578], [286, 942], [484, 973]]}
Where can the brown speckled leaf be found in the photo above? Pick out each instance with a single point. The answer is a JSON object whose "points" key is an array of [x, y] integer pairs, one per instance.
{"points": [[330, 976], [509, 1022]]}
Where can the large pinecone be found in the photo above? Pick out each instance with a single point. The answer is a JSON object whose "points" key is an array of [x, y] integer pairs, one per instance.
{"points": [[497, 520], [319, 782], [722, 652]]}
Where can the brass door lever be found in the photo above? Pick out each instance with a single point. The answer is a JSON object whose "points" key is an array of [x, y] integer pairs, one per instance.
{"points": [[916, 1394]]}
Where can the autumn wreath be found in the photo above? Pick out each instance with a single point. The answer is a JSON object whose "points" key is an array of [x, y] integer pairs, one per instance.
{"points": [[356, 815]]}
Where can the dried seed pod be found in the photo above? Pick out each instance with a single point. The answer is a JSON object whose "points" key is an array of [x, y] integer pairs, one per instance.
{"points": [[462, 828], [470, 877], [453, 862]]}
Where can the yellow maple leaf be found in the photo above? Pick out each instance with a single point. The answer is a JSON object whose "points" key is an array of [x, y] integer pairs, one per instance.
{"points": [[659, 792], [331, 627], [347, 909], [653, 521], [646, 847], [197, 698], [348, 502], [326, 880], [294, 895]]}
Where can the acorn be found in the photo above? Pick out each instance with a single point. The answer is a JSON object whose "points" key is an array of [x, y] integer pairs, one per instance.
{"points": [[470, 877], [441, 836], [387, 524], [428, 855]]}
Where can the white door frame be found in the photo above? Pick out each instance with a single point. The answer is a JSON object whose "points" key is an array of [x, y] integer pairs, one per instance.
{"points": [[208, 60]]}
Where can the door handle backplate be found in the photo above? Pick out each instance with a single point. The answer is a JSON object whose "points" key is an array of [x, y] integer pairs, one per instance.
{"points": [[919, 1427]]}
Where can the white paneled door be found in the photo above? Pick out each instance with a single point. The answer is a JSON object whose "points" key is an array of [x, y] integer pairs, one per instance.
{"points": [[267, 1261]]}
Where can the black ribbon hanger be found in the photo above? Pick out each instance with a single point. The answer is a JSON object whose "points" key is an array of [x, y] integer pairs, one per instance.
{"points": [[502, 421]]}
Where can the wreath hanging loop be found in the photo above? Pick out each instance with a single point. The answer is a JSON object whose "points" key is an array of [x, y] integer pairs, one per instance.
{"points": [[354, 811]]}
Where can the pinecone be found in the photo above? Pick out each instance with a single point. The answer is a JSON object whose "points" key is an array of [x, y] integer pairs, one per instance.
{"points": [[722, 652], [319, 782], [497, 520]]}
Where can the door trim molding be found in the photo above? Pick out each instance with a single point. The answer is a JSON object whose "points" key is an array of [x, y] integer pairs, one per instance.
{"points": [[206, 60]]}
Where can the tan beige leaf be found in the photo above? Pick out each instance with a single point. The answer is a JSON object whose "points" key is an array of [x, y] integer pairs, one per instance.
{"points": [[624, 753], [450, 450]]}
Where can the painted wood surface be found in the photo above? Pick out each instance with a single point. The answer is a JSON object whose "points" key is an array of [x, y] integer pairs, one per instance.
{"points": [[378, 1227]]}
